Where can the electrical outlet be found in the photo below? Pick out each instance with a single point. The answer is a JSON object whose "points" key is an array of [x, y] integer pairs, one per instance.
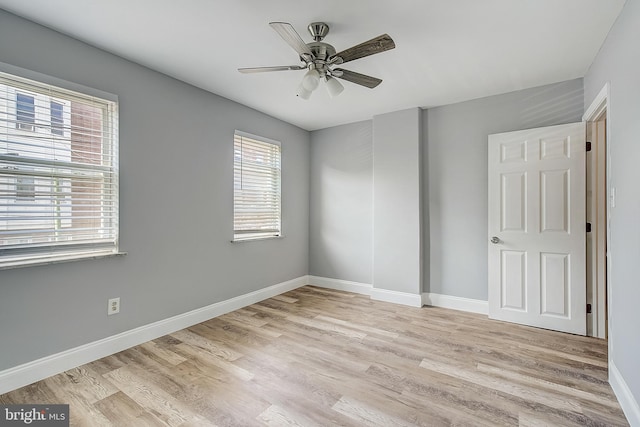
{"points": [[114, 306]]}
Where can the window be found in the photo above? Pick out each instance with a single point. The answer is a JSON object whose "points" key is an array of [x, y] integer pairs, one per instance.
{"points": [[25, 185], [57, 120], [256, 195], [25, 112], [25, 188], [58, 182]]}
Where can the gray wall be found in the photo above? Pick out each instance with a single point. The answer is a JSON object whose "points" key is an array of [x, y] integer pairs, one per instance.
{"points": [[618, 62], [456, 155], [454, 187], [341, 216], [175, 225], [397, 201]]}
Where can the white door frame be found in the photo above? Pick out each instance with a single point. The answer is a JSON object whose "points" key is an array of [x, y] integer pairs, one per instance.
{"points": [[598, 109]]}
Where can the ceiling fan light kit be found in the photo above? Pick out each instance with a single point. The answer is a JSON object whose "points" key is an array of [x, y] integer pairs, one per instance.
{"points": [[319, 58], [302, 92], [311, 80], [334, 87]]}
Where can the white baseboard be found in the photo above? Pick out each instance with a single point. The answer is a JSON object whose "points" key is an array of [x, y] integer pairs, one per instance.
{"points": [[341, 285], [456, 303], [404, 298], [19, 376], [413, 300], [629, 404]]}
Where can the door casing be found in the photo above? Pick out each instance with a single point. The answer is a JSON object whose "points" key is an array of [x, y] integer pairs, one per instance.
{"points": [[597, 113]]}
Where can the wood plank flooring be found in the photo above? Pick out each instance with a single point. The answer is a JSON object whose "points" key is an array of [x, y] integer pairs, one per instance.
{"points": [[318, 357]]}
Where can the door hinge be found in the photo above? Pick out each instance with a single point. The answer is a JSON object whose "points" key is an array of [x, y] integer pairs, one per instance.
{"points": [[588, 308], [588, 145], [588, 227]]}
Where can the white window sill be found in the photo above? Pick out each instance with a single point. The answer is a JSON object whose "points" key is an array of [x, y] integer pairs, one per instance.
{"points": [[253, 239], [57, 259]]}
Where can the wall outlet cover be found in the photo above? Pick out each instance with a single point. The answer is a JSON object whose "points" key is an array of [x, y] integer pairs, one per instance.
{"points": [[113, 306]]}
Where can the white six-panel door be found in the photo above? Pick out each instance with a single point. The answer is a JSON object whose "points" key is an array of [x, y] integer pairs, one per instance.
{"points": [[537, 243]]}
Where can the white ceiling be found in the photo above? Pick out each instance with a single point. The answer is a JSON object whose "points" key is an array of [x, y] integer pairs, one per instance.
{"points": [[446, 50]]}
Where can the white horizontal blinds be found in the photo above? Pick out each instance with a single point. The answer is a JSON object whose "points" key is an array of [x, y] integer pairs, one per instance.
{"points": [[58, 171], [256, 202]]}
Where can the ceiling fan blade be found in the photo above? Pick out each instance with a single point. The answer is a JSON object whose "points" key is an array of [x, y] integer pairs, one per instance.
{"points": [[276, 68], [376, 45], [357, 78], [293, 39]]}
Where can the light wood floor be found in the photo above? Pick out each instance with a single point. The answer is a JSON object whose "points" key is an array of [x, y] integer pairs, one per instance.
{"points": [[320, 357]]}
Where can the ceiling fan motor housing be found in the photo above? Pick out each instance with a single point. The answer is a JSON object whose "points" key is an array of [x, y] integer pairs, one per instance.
{"points": [[322, 52]]}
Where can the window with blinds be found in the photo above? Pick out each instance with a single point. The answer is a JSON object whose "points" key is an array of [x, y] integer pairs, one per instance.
{"points": [[58, 173], [256, 195]]}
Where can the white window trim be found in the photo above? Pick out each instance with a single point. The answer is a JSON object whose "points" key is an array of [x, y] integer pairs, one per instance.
{"points": [[88, 253], [266, 237], [54, 81]]}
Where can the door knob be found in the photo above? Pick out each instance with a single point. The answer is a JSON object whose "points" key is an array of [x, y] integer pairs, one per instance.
{"points": [[495, 240]]}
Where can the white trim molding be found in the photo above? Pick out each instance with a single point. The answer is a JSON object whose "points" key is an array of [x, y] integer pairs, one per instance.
{"points": [[341, 285], [598, 105], [19, 376], [456, 303], [628, 403], [404, 298]]}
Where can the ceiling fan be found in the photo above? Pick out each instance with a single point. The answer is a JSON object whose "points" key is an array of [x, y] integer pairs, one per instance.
{"points": [[319, 59]]}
